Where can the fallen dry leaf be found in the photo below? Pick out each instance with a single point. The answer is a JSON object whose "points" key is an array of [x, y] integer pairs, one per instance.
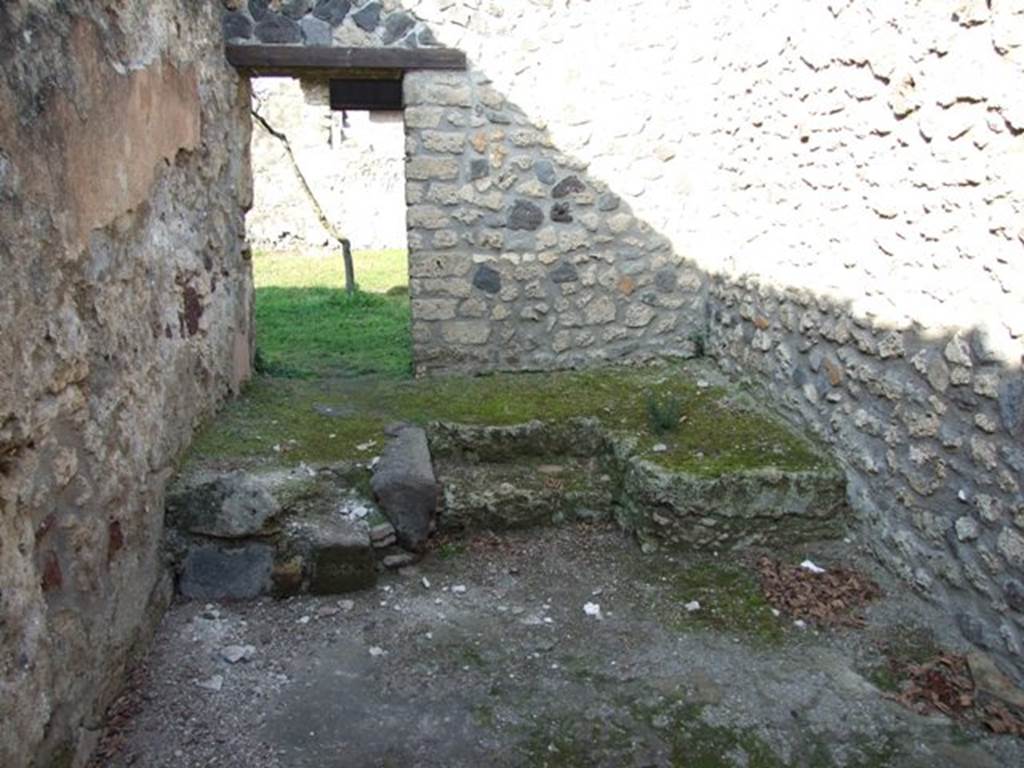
{"points": [[834, 597]]}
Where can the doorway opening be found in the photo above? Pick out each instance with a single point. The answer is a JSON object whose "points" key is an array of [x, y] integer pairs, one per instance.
{"points": [[322, 176]]}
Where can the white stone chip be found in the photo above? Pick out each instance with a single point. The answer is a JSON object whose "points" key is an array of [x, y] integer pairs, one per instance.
{"points": [[376, 650], [233, 654], [214, 683], [693, 605], [593, 609]]}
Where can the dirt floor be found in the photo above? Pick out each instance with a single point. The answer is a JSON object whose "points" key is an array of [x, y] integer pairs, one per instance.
{"points": [[485, 654]]}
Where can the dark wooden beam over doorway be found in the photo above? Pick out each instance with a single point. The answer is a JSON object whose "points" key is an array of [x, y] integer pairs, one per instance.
{"points": [[325, 61]]}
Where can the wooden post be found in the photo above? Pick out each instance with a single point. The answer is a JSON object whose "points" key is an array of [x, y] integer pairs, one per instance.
{"points": [[350, 272]]}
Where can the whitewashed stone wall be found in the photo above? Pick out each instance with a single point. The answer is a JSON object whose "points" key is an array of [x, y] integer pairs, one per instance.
{"points": [[519, 256], [354, 164], [825, 196]]}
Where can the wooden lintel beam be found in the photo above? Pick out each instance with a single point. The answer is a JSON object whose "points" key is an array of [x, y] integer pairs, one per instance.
{"points": [[325, 61]]}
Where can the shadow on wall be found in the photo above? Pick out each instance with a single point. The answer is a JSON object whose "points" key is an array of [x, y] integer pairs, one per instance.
{"points": [[520, 259], [517, 247]]}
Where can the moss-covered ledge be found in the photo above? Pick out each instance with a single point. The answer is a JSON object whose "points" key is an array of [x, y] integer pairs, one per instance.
{"points": [[326, 420]]}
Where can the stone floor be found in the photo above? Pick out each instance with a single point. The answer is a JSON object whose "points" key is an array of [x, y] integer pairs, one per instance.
{"points": [[483, 654]]}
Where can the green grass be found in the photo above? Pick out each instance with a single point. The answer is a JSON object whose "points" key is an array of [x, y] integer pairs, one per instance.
{"points": [[334, 369], [376, 271], [307, 325]]}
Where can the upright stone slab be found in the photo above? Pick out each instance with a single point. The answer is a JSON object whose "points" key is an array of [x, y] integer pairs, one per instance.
{"points": [[405, 487]]}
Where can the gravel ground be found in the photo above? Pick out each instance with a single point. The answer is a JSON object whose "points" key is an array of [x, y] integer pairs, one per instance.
{"points": [[484, 653]]}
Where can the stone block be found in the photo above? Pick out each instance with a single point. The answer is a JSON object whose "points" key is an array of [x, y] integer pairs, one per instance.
{"points": [[600, 311], [561, 213], [620, 222], [396, 26], [427, 217], [277, 29], [434, 309], [368, 17], [472, 332], [315, 31], [450, 142], [427, 168], [545, 171], [332, 11], [435, 265], [487, 279], [735, 509], [568, 186], [437, 286], [525, 215], [341, 557], [436, 90], [638, 315], [423, 117], [214, 572], [237, 26], [564, 273], [231, 506]]}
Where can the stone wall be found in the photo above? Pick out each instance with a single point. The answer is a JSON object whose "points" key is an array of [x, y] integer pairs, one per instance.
{"points": [[125, 316], [824, 196], [519, 256], [866, 174], [354, 163]]}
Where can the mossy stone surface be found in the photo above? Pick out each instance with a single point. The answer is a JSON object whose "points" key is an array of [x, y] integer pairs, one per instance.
{"points": [[727, 475], [328, 420]]}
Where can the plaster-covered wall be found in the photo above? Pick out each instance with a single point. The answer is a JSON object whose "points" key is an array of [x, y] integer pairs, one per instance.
{"points": [[825, 196], [124, 319]]}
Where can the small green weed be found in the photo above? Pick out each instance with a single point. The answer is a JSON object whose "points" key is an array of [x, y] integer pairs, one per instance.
{"points": [[450, 549], [699, 339], [663, 413]]}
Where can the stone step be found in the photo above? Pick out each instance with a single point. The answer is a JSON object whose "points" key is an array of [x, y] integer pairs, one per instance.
{"points": [[503, 496], [238, 535], [535, 473]]}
